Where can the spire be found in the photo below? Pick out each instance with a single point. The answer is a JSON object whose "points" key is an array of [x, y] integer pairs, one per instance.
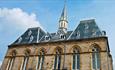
{"points": [[63, 20], [64, 13]]}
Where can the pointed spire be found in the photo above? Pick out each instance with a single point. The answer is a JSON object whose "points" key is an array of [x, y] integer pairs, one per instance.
{"points": [[64, 13], [63, 23]]}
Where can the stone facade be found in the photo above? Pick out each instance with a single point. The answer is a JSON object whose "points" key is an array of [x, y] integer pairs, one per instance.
{"points": [[84, 46]]}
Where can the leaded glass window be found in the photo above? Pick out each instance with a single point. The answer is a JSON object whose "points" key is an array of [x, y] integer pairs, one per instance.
{"points": [[76, 59], [95, 58], [57, 62], [40, 61], [26, 59], [11, 61]]}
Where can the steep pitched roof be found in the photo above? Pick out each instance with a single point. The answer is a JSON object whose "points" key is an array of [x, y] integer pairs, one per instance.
{"points": [[86, 29], [32, 35]]}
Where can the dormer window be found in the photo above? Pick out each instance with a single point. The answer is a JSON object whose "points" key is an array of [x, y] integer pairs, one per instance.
{"points": [[20, 39], [78, 34], [31, 39], [103, 33], [29, 33], [94, 33], [47, 38], [62, 36], [86, 26]]}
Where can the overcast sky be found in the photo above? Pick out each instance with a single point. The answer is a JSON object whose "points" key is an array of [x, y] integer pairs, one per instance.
{"points": [[18, 15]]}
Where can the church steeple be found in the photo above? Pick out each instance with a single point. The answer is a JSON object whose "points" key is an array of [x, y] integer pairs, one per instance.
{"points": [[63, 23]]}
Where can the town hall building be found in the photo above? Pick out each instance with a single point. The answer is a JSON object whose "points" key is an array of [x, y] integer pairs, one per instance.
{"points": [[84, 48]]}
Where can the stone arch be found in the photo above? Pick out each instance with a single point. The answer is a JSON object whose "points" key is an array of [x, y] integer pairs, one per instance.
{"points": [[94, 45], [75, 47], [58, 49], [41, 51], [95, 54], [75, 59], [27, 51], [13, 52]]}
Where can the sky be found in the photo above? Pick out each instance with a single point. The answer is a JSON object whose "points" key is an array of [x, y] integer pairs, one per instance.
{"points": [[16, 16]]}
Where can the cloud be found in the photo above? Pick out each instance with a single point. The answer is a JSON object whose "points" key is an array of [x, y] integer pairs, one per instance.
{"points": [[18, 18], [13, 23]]}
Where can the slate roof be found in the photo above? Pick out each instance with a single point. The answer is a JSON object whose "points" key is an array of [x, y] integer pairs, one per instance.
{"points": [[85, 29], [32, 35]]}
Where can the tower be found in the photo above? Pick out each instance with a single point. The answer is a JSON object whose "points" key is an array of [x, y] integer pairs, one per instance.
{"points": [[63, 23]]}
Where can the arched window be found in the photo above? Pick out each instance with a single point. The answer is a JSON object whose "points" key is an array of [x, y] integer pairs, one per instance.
{"points": [[76, 59], [40, 60], [95, 58], [11, 61], [26, 58], [57, 62]]}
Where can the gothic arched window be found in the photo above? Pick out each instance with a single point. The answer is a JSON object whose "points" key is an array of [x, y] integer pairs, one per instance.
{"points": [[40, 60], [76, 59], [26, 58], [57, 62], [95, 58], [11, 61]]}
